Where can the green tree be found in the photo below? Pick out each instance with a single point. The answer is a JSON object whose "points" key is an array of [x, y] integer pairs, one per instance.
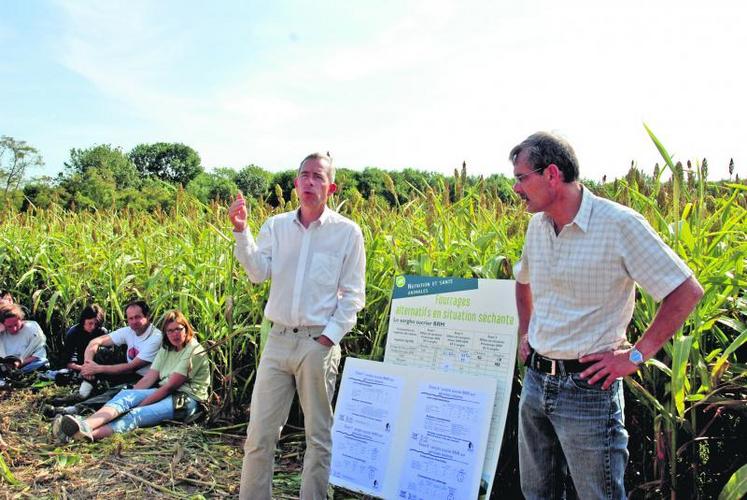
{"points": [[109, 163], [283, 179], [15, 158], [213, 186], [94, 189], [151, 195], [346, 182], [371, 180], [253, 181], [170, 162], [501, 186], [40, 193]]}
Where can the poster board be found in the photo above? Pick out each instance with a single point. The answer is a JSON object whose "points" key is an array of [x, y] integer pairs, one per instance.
{"points": [[405, 432], [460, 326]]}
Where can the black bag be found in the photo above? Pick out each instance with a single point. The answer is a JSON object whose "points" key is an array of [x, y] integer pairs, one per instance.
{"points": [[180, 401]]}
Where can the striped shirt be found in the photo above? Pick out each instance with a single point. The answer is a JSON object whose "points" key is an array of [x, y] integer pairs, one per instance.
{"points": [[583, 279]]}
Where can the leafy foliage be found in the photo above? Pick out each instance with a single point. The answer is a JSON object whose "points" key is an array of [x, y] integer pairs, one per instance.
{"points": [[253, 181], [16, 157], [170, 162]]}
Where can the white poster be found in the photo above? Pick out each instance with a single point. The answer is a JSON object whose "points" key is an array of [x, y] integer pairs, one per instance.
{"points": [[366, 418], [403, 432], [457, 325], [441, 459]]}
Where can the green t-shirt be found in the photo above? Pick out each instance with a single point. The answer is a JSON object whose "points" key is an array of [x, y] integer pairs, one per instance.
{"points": [[192, 362]]}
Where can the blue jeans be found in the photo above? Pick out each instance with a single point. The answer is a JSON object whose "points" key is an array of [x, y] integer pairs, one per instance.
{"points": [[35, 365], [567, 426], [131, 418]]}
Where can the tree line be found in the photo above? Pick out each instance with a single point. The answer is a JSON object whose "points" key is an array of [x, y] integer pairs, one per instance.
{"points": [[145, 178], [104, 176]]}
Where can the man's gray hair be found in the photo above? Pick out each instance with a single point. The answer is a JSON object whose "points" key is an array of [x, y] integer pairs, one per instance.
{"points": [[321, 156], [544, 148]]}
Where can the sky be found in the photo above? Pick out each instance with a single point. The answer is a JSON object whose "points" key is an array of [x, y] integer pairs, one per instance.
{"points": [[385, 83]]}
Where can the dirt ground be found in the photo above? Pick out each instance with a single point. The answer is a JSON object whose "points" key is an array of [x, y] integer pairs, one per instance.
{"points": [[172, 461]]}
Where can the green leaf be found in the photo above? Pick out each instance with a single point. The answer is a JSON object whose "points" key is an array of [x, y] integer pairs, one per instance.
{"points": [[264, 332], [736, 486], [735, 344], [679, 368], [7, 475], [661, 366], [66, 459], [662, 150]]}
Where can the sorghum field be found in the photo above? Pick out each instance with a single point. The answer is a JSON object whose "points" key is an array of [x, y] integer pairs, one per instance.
{"points": [[686, 411]]}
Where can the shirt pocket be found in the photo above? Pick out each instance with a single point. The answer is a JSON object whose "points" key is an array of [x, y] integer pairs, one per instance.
{"points": [[325, 268]]}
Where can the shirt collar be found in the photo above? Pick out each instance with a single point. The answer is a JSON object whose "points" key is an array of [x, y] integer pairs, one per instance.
{"points": [[583, 216], [146, 333], [323, 219]]}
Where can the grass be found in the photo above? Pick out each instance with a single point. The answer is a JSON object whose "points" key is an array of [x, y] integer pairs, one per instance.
{"points": [[170, 461]]}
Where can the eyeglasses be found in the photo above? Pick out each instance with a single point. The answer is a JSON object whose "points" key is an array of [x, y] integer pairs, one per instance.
{"points": [[519, 178], [178, 329]]}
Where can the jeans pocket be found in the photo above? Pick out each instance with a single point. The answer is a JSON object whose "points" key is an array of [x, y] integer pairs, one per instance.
{"points": [[584, 385]]}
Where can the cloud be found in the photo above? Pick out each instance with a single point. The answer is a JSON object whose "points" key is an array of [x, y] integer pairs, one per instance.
{"points": [[424, 84]]}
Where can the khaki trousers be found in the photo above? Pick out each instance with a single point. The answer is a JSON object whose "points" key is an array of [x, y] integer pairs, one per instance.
{"points": [[292, 360]]}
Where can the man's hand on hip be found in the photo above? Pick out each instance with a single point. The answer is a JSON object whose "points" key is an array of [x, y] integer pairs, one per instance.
{"points": [[609, 366], [524, 349], [324, 340]]}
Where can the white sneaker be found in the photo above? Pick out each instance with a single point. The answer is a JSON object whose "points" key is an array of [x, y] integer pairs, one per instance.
{"points": [[85, 389]]}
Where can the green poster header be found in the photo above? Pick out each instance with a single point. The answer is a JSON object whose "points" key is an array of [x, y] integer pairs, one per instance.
{"points": [[415, 286]]}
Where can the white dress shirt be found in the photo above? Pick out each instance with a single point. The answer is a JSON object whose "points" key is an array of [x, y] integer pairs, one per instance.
{"points": [[318, 273], [583, 279]]}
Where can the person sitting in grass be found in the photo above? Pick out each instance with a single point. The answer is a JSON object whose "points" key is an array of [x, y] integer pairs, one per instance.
{"points": [[22, 344], [89, 326], [182, 372], [5, 298], [103, 367]]}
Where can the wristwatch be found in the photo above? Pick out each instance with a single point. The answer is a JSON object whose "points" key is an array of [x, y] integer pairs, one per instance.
{"points": [[635, 356]]}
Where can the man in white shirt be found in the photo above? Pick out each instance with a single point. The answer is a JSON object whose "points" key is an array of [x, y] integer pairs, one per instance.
{"points": [[575, 294], [142, 339], [316, 261]]}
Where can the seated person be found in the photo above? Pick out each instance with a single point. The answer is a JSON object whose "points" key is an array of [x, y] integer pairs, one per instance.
{"points": [[142, 340], [182, 372], [22, 344], [5, 298], [89, 326]]}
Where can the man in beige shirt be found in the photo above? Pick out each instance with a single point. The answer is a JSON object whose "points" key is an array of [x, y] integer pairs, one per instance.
{"points": [[575, 293]]}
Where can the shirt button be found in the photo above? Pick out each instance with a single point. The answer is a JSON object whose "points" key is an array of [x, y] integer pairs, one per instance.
{"points": [[295, 330]]}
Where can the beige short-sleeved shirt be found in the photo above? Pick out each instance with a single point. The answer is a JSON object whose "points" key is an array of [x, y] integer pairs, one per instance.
{"points": [[583, 279]]}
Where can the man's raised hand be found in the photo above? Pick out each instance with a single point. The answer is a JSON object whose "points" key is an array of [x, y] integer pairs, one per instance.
{"points": [[237, 213]]}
